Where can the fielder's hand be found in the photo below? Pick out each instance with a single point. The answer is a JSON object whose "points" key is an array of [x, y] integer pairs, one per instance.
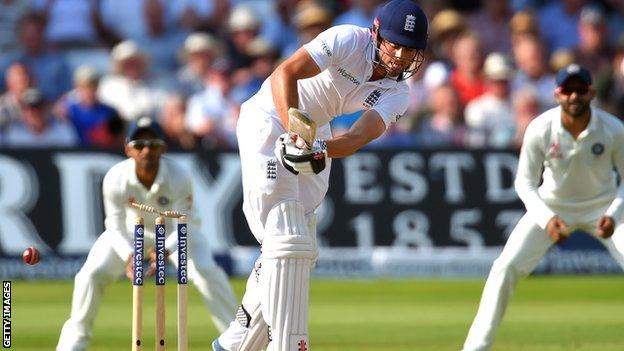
{"points": [[294, 156], [605, 227], [130, 267], [557, 229], [151, 255]]}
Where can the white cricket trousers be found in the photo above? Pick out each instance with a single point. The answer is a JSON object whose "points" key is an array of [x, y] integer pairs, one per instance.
{"points": [[265, 184], [526, 246], [265, 181], [103, 266]]}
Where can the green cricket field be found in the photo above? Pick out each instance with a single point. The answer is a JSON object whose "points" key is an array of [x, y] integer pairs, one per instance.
{"points": [[547, 313]]}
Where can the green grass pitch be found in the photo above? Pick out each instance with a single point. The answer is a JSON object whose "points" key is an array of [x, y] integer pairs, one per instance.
{"points": [[546, 313]]}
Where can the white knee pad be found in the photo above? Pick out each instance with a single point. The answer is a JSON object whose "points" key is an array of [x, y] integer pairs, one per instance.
{"points": [[288, 253]]}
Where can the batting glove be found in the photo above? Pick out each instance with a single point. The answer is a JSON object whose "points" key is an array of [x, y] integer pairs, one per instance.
{"points": [[298, 159]]}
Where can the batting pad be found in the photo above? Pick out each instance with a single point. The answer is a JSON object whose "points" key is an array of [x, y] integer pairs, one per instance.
{"points": [[257, 336], [288, 252]]}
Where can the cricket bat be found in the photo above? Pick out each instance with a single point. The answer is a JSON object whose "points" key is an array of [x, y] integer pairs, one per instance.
{"points": [[299, 123]]}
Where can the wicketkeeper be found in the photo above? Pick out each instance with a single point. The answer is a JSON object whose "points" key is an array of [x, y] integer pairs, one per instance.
{"points": [[285, 171], [148, 178]]}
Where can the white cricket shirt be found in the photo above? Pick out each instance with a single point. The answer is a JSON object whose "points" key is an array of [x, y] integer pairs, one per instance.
{"points": [[172, 190], [578, 175], [345, 56]]}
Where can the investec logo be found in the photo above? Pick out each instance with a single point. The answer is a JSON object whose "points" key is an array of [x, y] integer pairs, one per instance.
{"points": [[349, 76]]}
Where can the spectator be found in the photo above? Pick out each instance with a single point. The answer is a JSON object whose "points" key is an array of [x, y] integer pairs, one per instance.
{"points": [[492, 25], [277, 28], [128, 89], [70, 24], [126, 17], [173, 122], [200, 51], [523, 24], [526, 106], [558, 22], [422, 84], [18, 80], [490, 116], [210, 113], [243, 27], [615, 21], [94, 121], [443, 126], [11, 11], [310, 20], [49, 69], [533, 70], [467, 76], [561, 58], [160, 43], [446, 27], [610, 84], [37, 127], [593, 51], [264, 58], [200, 15], [361, 13]]}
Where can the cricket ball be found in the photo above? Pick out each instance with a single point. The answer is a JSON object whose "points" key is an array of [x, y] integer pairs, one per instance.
{"points": [[31, 256]]}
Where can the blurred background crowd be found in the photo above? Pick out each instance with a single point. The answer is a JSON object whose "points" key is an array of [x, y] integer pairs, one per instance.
{"points": [[73, 73]]}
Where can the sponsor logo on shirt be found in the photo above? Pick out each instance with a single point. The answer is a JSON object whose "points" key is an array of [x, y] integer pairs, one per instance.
{"points": [[325, 48], [349, 76], [372, 99], [554, 151], [271, 169], [597, 149], [163, 200]]}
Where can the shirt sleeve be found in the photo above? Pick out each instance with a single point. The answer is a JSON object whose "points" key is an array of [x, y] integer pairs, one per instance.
{"points": [[616, 209], [529, 174], [332, 46], [391, 107], [115, 222]]}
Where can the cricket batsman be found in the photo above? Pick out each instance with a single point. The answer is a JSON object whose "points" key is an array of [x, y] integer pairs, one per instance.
{"points": [[574, 148], [149, 178], [285, 163]]}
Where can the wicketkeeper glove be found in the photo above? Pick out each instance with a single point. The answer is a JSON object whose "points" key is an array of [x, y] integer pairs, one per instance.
{"points": [[298, 159]]}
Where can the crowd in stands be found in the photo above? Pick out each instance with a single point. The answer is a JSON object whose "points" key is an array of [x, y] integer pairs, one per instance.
{"points": [[73, 73]]}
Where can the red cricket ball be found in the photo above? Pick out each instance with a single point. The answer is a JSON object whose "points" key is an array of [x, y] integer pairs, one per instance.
{"points": [[31, 256]]}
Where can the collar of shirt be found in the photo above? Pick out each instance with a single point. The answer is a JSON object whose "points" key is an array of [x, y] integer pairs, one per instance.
{"points": [[560, 130], [158, 181]]}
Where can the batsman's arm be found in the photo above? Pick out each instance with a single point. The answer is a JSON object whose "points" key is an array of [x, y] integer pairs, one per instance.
{"points": [[367, 128], [284, 81]]}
